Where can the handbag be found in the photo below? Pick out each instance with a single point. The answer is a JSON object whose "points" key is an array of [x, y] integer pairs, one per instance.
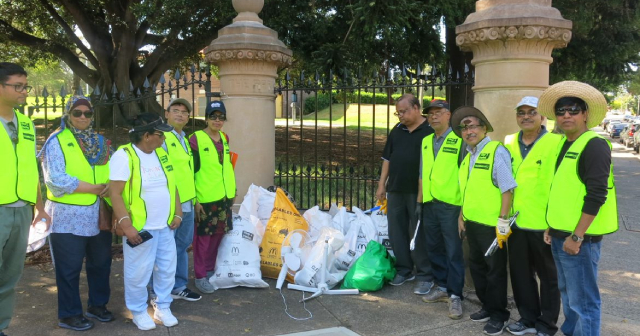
{"points": [[105, 216]]}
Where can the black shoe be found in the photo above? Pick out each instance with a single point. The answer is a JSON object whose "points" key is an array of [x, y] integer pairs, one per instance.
{"points": [[100, 313], [480, 316], [186, 294], [77, 323], [494, 327]]}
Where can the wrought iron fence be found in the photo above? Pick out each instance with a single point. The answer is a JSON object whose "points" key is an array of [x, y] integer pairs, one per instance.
{"points": [[331, 153]]}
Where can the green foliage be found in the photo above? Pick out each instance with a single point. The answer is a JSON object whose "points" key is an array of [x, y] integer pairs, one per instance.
{"points": [[353, 97], [321, 102]]}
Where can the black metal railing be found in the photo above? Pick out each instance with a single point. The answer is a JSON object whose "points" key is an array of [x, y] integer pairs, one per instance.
{"points": [[331, 153]]}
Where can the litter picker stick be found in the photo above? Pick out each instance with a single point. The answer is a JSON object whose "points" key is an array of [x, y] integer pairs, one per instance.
{"points": [[412, 245], [494, 246]]}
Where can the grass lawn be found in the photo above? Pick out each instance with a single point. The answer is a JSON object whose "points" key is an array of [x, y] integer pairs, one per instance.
{"points": [[335, 116], [51, 111]]}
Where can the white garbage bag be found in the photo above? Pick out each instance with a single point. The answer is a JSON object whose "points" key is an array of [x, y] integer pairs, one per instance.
{"points": [[258, 202], [367, 232], [379, 219], [238, 262], [347, 254], [317, 220], [37, 236], [309, 274]]}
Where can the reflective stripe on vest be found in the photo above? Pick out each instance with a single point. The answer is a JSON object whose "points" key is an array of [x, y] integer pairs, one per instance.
{"points": [[481, 198], [132, 192], [440, 178], [533, 176], [567, 194], [76, 165], [182, 162], [19, 175], [213, 180]]}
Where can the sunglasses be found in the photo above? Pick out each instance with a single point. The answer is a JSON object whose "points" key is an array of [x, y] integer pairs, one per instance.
{"points": [[78, 114], [14, 132], [574, 110], [217, 117]]}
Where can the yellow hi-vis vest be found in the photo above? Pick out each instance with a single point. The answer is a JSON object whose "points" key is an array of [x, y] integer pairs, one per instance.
{"points": [[566, 197], [440, 173], [19, 174], [132, 193], [481, 199], [213, 180], [182, 161], [76, 165], [533, 175]]}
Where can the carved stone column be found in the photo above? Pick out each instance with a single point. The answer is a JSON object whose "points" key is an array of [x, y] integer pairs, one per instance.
{"points": [[248, 55], [511, 41]]}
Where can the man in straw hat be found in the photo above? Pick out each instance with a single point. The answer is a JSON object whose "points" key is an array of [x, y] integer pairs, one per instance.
{"points": [[486, 183], [534, 158], [582, 201]]}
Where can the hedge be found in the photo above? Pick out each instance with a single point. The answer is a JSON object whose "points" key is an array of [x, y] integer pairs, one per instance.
{"points": [[352, 98]]}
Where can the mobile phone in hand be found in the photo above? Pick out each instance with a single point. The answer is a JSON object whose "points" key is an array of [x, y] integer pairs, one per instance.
{"points": [[145, 235]]}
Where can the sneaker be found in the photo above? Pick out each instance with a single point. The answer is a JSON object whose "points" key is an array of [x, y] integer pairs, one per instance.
{"points": [[422, 287], [519, 328], [480, 316], [100, 313], [494, 327], [143, 321], [455, 308], [186, 294], [165, 316], [540, 333], [77, 323], [399, 279], [436, 295], [204, 286]]}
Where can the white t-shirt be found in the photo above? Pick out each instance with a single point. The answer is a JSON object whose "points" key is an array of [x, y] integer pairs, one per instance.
{"points": [[154, 185]]}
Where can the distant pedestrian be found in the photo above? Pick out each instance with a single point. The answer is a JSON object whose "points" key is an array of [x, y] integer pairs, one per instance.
{"points": [[582, 205], [215, 192], [19, 185], [439, 191], [75, 163], [486, 185], [146, 204], [399, 185], [534, 151]]}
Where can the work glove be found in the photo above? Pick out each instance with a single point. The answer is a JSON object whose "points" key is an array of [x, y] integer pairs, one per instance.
{"points": [[418, 211], [383, 206], [503, 231]]}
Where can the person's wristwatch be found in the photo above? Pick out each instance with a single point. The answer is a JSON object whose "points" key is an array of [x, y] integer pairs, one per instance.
{"points": [[576, 238]]}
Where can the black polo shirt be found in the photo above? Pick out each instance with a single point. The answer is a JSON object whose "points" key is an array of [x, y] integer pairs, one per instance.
{"points": [[402, 150]]}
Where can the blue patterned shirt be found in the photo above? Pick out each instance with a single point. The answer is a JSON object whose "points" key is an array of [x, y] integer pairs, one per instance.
{"points": [[501, 175], [79, 220]]}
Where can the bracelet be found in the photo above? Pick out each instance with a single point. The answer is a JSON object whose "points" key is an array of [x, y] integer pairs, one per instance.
{"points": [[123, 218], [178, 217]]}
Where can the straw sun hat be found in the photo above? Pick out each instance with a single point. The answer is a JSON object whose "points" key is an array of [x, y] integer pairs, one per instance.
{"points": [[596, 104]]}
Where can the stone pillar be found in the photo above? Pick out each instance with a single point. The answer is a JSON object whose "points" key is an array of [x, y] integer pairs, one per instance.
{"points": [[511, 41], [248, 55]]}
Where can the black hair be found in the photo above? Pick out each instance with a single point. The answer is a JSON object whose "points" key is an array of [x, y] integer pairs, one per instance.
{"points": [[569, 101], [142, 119], [413, 100], [9, 69]]}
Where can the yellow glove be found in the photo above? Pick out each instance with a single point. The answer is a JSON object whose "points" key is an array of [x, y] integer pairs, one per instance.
{"points": [[503, 231], [383, 206]]}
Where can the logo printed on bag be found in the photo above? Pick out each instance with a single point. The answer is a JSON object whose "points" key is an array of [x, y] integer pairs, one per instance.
{"points": [[362, 247], [249, 275], [235, 251], [351, 253], [386, 243], [273, 251], [247, 235]]}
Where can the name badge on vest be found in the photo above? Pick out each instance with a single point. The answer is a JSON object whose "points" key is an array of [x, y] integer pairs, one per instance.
{"points": [[484, 166], [571, 155], [29, 137], [450, 150]]}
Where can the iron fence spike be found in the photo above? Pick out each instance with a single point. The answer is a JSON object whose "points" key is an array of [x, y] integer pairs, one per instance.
{"points": [[130, 86], [138, 92], [287, 77], [45, 93], [79, 91], [193, 69], [302, 76], [404, 71], [122, 96], [96, 91], [162, 80], [114, 89], [177, 75], [63, 91], [317, 76]]}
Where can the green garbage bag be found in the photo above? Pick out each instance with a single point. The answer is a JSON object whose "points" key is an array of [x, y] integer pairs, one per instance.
{"points": [[372, 270]]}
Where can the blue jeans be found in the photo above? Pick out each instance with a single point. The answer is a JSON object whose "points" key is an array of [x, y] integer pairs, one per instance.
{"points": [[184, 238], [444, 246], [578, 284]]}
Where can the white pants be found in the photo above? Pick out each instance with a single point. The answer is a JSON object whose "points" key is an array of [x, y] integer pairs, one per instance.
{"points": [[156, 257]]}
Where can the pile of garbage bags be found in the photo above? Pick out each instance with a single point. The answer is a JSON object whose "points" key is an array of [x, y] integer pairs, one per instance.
{"points": [[252, 249]]}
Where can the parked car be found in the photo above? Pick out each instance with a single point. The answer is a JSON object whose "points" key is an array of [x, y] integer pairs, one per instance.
{"points": [[615, 129], [610, 124], [636, 140], [626, 135]]}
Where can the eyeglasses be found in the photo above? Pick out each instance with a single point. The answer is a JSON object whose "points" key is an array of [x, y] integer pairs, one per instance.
{"points": [[469, 127], [531, 113], [179, 112], [217, 117], [78, 114], [19, 87], [573, 110], [435, 114], [14, 132], [399, 112]]}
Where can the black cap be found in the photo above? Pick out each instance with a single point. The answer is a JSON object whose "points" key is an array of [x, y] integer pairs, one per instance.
{"points": [[436, 103], [149, 123], [213, 106]]}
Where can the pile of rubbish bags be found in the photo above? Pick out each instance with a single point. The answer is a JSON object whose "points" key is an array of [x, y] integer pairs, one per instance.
{"points": [[359, 248]]}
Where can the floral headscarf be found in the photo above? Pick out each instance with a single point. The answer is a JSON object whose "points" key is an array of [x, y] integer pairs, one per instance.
{"points": [[96, 148]]}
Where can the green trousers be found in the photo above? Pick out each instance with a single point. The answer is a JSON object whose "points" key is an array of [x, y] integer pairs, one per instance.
{"points": [[14, 231]]}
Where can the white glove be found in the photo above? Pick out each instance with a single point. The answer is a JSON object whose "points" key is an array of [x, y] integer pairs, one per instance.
{"points": [[503, 227]]}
